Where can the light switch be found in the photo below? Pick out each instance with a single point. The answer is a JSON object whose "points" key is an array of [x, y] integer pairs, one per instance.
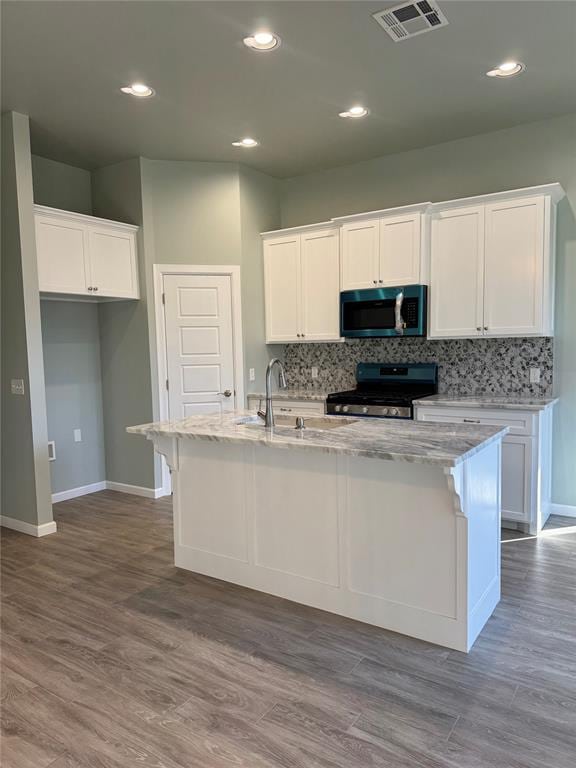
{"points": [[534, 375], [17, 386], [77, 435], [252, 374], [314, 372]]}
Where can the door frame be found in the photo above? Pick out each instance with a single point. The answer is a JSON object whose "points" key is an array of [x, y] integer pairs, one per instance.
{"points": [[230, 270]]}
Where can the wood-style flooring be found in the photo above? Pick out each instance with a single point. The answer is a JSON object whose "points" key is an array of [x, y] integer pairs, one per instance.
{"points": [[113, 658]]}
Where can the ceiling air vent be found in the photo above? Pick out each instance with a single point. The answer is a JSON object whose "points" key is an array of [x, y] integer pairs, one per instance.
{"points": [[410, 19]]}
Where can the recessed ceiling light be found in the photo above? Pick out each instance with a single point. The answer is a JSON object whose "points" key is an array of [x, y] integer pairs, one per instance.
{"points": [[247, 142], [356, 111], [507, 69], [138, 89], [262, 41]]}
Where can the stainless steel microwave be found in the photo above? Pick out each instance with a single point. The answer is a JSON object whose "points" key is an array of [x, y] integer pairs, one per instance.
{"points": [[376, 312]]}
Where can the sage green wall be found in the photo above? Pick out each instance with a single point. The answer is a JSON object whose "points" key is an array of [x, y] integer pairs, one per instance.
{"points": [[124, 341], [212, 213], [259, 212], [24, 460], [61, 186], [523, 156], [71, 342]]}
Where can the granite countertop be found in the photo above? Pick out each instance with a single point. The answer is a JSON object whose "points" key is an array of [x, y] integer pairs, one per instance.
{"points": [[318, 395], [511, 402], [418, 442]]}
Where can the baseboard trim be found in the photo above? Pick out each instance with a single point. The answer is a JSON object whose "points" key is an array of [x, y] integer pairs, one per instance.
{"points": [[29, 528], [82, 490], [135, 490], [566, 510]]}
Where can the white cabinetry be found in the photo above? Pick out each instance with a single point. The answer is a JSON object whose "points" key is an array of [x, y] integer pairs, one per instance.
{"points": [[85, 256], [526, 457], [302, 284], [293, 407], [384, 250], [492, 265]]}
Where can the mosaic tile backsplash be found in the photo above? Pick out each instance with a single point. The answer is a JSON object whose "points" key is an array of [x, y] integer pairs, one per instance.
{"points": [[465, 366]]}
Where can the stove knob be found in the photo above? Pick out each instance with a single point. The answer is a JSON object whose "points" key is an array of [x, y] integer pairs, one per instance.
{"points": [[345, 408], [365, 409], [393, 411], [384, 411], [337, 408]]}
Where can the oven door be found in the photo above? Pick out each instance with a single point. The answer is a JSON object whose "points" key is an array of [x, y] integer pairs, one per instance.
{"points": [[377, 312]]}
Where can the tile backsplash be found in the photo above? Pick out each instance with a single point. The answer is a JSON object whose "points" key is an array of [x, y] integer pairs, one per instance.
{"points": [[465, 366]]}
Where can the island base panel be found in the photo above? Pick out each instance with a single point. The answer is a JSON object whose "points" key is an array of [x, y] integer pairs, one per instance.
{"points": [[413, 548]]}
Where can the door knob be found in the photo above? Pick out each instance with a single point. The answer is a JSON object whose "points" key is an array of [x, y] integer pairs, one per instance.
{"points": [[226, 393]]}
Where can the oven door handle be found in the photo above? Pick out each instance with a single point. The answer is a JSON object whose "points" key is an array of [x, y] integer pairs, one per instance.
{"points": [[399, 322]]}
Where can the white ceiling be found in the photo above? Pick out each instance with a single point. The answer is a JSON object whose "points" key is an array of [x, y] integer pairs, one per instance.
{"points": [[64, 62]]}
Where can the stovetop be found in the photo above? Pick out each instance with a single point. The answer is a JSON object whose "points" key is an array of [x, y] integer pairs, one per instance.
{"points": [[385, 390]]}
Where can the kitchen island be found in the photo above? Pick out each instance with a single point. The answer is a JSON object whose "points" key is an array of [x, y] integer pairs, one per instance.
{"points": [[396, 524]]}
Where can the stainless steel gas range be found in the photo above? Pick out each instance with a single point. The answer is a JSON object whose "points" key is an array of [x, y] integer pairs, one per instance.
{"points": [[385, 390]]}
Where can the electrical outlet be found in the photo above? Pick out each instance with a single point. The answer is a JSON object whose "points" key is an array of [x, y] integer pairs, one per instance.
{"points": [[77, 435], [534, 375], [252, 374], [51, 450], [314, 372], [17, 386]]}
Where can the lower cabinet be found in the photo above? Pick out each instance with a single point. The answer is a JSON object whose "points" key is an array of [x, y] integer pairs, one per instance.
{"points": [[526, 457], [295, 407]]}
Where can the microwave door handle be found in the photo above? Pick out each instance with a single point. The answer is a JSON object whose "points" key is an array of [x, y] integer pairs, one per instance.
{"points": [[399, 322]]}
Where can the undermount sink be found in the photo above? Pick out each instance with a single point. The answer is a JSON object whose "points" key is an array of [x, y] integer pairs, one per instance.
{"points": [[289, 422]]}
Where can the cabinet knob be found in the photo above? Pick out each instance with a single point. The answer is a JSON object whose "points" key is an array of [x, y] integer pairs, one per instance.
{"points": [[375, 282], [380, 281], [485, 327], [90, 288], [478, 327], [95, 288], [298, 335]]}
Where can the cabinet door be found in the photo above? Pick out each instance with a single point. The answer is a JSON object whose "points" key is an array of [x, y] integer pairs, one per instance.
{"points": [[320, 285], [360, 254], [62, 256], [282, 288], [113, 270], [400, 250], [514, 267], [516, 478], [456, 285]]}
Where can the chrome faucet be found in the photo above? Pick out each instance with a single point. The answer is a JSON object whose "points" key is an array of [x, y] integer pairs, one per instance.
{"points": [[268, 414]]}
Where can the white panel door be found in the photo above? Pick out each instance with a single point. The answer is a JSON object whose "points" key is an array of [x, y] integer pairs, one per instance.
{"points": [[514, 271], [456, 284], [62, 256], [360, 250], [112, 263], [199, 344], [282, 289], [320, 285], [400, 238]]}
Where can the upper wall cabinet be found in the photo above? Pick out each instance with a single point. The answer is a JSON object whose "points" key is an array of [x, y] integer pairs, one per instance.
{"points": [[492, 265], [85, 256], [302, 284], [384, 248]]}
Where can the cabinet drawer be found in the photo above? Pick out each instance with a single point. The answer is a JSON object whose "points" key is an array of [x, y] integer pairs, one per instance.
{"points": [[519, 422], [304, 407]]}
